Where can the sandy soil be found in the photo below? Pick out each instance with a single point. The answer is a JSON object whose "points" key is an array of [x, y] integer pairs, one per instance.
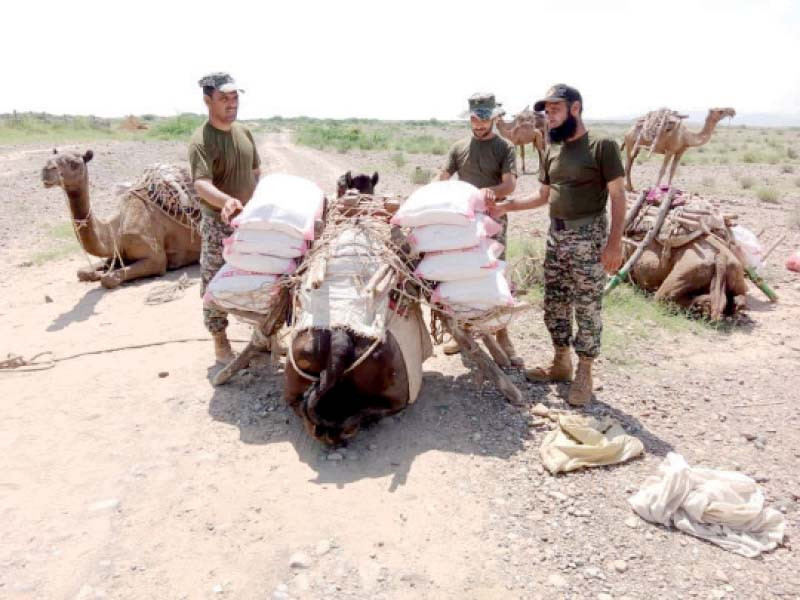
{"points": [[121, 483]]}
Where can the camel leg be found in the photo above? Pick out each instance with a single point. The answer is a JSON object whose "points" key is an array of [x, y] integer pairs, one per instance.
{"points": [[146, 267], [522, 152], [676, 158], [630, 157], [684, 278], [94, 272], [663, 168]]}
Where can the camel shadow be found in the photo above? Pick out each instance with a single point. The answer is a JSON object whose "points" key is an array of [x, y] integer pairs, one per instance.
{"points": [[450, 415], [82, 311], [85, 308]]}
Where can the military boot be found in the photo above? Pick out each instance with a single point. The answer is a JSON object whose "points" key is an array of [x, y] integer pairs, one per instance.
{"points": [[580, 392], [559, 370], [222, 348]]}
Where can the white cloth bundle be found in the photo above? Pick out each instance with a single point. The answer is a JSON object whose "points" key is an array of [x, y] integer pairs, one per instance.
{"points": [[440, 203], [259, 241], [460, 264], [723, 507], [283, 203], [437, 238], [242, 290]]}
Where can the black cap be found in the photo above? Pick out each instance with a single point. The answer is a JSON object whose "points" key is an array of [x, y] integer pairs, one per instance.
{"points": [[560, 92]]}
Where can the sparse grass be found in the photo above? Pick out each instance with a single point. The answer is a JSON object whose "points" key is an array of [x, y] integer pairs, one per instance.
{"points": [[708, 181], [41, 127], [421, 176], [524, 257], [746, 181], [399, 160], [179, 127], [791, 153], [344, 136], [768, 194], [787, 169], [63, 244], [797, 181]]}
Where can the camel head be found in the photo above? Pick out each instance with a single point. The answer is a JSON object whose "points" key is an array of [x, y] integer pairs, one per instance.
{"points": [[717, 114], [365, 184], [67, 169]]}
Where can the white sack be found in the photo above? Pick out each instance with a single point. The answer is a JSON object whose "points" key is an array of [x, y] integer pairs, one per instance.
{"points": [[437, 238], [460, 264], [440, 203], [283, 203]]}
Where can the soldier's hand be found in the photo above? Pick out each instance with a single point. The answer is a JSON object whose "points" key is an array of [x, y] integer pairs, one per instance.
{"points": [[489, 197], [498, 210], [612, 257], [231, 208]]}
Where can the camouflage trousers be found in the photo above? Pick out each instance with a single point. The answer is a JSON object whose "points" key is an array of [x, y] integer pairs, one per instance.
{"points": [[573, 283], [213, 231]]}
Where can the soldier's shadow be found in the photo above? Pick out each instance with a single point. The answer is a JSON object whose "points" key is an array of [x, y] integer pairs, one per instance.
{"points": [[451, 414]]}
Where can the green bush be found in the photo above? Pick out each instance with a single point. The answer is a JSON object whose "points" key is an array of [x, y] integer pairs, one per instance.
{"points": [[791, 153], [768, 194], [179, 127], [421, 176]]}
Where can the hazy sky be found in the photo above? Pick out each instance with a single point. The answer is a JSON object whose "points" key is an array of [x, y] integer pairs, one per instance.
{"points": [[400, 60]]}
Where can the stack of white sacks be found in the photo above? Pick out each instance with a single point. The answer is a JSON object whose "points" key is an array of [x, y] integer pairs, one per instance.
{"points": [[450, 229], [270, 235]]}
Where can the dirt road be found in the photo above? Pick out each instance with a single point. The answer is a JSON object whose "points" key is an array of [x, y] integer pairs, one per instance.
{"points": [[118, 482]]}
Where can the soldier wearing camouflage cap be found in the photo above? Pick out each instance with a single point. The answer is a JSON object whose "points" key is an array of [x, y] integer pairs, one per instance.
{"points": [[225, 168], [578, 173], [488, 162]]}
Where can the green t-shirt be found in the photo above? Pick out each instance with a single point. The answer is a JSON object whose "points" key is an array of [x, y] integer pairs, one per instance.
{"points": [[578, 173], [227, 158], [482, 162]]}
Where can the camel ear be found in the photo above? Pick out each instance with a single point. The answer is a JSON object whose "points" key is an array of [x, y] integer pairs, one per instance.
{"points": [[88, 156], [348, 180], [374, 179]]}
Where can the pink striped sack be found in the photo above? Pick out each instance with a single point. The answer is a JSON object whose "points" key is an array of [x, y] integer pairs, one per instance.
{"points": [[259, 241], [435, 238], [259, 263], [440, 203], [460, 264], [482, 293]]}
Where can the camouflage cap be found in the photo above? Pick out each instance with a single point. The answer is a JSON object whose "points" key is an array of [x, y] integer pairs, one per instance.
{"points": [[220, 81], [483, 106]]}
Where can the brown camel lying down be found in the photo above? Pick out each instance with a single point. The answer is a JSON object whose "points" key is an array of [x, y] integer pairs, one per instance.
{"points": [[703, 276], [145, 239]]}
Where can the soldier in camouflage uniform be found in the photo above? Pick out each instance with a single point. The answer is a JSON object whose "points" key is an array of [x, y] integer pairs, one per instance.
{"points": [[578, 173], [488, 162], [225, 169]]}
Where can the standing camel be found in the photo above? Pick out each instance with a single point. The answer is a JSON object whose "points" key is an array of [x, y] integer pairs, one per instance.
{"points": [[142, 240], [672, 139], [528, 127]]}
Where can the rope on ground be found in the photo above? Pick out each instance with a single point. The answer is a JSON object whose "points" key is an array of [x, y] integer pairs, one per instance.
{"points": [[16, 363], [167, 292]]}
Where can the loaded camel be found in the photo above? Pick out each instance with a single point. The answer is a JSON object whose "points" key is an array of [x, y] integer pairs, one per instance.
{"points": [[142, 240], [527, 127], [665, 133]]}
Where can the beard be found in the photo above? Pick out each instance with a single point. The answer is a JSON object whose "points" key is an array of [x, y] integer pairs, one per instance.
{"points": [[564, 131], [483, 134]]}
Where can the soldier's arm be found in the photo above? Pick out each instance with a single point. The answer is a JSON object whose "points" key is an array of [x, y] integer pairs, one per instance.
{"points": [[539, 198], [612, 253], [227, 204]]}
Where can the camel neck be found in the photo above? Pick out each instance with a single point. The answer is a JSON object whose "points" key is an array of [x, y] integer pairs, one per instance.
{"points": [[92, 234]]}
